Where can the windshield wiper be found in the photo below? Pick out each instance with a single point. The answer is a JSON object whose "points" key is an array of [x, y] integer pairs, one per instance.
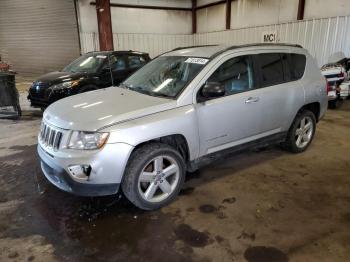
{"points": [[123, 85]]}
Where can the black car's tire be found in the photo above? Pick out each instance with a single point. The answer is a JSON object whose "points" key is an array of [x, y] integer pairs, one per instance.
{"points": [[300, 135], [149, 170]]}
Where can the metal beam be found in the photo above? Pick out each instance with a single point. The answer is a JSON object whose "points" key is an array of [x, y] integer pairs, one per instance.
{"points": [[211, 4], [228, 14], [169, 8], [104, 23], [78, 24], [194, 16], [301, 8]]}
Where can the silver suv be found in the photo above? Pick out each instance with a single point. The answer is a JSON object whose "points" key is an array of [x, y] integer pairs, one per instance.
{"points": [[183, 109]]}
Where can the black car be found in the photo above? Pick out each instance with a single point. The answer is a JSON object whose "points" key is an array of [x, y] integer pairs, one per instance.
{"points": [[89, 72]]}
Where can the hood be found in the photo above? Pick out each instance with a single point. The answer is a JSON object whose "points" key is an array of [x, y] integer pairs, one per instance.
{"points": [[59, 77], [96, 109]]}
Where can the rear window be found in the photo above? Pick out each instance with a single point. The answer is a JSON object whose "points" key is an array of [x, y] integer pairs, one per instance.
{"points": [[271, 69], [297, 66]]}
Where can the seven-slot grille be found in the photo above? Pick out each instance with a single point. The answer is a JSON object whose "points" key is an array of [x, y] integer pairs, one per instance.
{"points": [[50, 136]]}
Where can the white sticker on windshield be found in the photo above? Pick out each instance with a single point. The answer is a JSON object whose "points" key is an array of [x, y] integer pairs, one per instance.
{"points": [[194, 60], [101, 56]]}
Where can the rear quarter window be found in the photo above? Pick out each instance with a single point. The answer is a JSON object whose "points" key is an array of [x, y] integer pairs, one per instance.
{"points": [[297, 66]]}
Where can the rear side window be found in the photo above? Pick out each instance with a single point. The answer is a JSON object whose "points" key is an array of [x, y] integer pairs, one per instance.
{"points": [[271, 68], [297, 66]]}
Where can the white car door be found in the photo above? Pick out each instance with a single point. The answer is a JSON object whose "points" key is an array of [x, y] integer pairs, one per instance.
{"points": [[234, 118], [280, 96]]}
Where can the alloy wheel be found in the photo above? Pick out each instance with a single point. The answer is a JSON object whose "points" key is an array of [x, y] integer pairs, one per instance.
{"points": [[158, 179], [304, 132]]}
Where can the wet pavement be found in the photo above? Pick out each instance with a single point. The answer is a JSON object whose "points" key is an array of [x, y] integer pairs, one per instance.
{"points": [[263, 205]]}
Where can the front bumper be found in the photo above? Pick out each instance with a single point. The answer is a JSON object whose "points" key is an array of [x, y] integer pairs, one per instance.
{"points": [[46, 97], [104, 180]]}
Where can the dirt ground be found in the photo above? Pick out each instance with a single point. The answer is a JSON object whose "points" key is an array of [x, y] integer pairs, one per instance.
{"points": [[263, 205]]}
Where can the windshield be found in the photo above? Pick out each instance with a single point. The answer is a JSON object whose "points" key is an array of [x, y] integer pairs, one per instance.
{"points": [[165, 76], [88, 63]]}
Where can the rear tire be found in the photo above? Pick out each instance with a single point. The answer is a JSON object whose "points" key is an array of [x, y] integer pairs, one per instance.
{"points": [[154, 176], [301, 133]]}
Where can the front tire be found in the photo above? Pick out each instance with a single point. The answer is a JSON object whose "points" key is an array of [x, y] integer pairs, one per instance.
{"points": [[301, 133], [154, 176]]}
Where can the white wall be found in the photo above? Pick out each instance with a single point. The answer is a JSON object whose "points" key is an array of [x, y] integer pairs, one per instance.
{"points": [[246, 13], [324, 8], [133, 20], [168, 3], [211, 19], [87, 17], [321, 37]]}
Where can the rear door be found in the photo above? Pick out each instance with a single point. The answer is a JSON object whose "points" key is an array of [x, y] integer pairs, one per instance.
{"points": [[281, 94]]}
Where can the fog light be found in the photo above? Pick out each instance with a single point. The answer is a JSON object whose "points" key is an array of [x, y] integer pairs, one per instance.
{"points": [[80, 172]]}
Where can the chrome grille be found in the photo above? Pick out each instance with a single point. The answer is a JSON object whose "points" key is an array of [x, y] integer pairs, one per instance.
{"points": [[50, 136]]}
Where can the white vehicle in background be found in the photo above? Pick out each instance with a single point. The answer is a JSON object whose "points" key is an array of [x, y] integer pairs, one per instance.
{"points": [[337, 74], [344, 90]]}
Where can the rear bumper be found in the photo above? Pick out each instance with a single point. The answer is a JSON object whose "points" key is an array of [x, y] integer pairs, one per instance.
{"points": [[59, 177]]}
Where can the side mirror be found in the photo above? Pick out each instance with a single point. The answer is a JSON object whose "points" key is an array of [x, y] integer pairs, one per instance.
{"points": [[213, 90]]}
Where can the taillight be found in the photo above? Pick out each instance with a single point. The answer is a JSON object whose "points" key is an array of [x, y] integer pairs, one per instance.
{"points": [[328, 87], [341, 74]]}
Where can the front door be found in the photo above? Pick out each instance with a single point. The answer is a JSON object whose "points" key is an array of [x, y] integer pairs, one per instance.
{"points": [[119, 68], [235, 118]]}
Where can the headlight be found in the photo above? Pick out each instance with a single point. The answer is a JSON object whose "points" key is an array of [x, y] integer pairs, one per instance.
{"points": [[67, 84], [87, 140]]}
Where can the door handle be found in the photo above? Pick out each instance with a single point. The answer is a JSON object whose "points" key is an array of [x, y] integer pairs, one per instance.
{"points": [[252, 100]]}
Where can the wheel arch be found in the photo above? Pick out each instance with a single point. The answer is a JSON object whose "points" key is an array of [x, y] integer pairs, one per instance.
{"points": [[177, 141], [314, 107]]}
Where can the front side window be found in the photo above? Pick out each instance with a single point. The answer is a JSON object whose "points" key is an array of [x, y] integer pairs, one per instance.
{"points": [[236, 75], [165, 76], [271, 68], [89, 63], [136, 61], [116, 63]]}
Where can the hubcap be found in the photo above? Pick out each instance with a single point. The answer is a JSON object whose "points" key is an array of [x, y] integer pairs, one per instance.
{"points": [[158, 179], [303, 133]]}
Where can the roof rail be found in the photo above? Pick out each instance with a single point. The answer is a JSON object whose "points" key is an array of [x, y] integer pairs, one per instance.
{"points": [[256, 44], [192, 46], [271, 44]]}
